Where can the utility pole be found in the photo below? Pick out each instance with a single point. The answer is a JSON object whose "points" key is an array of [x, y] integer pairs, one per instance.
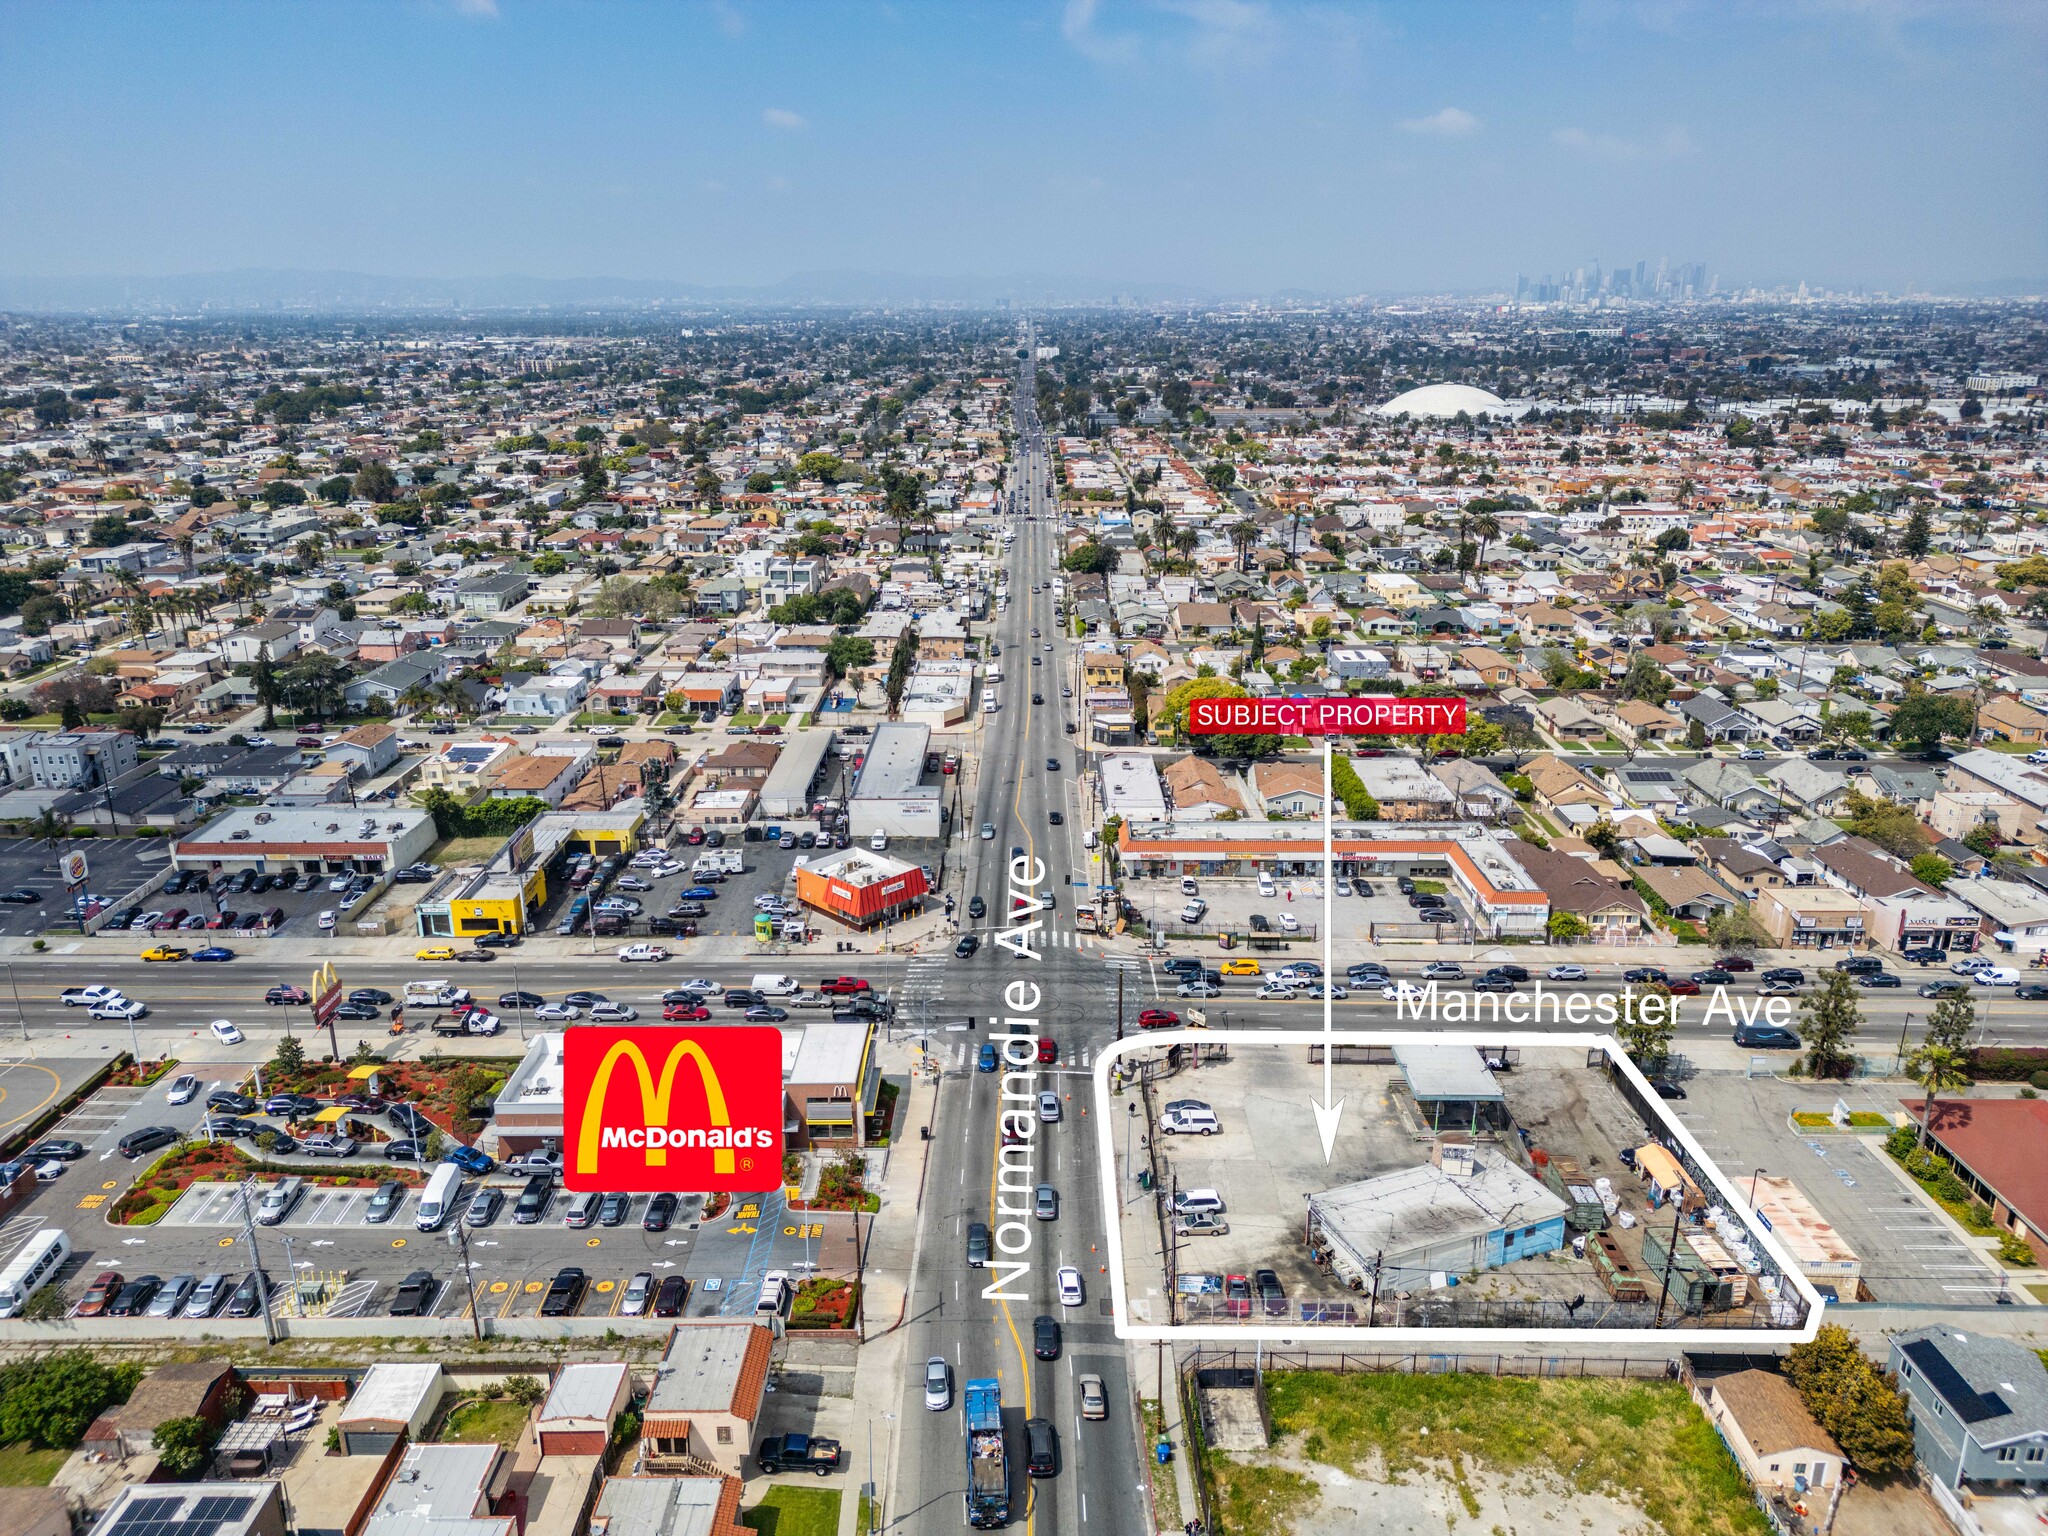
{"points": [[256, 1265], [1671, 1257], [458, 1235]]}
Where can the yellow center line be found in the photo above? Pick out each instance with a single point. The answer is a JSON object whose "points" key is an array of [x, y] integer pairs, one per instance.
{"points": [[996, 1157]]}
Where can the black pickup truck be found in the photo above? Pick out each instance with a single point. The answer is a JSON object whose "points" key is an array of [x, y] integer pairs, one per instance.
{"points": [[798, 1453]]}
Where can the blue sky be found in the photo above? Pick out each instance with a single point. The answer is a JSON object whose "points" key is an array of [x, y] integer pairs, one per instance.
{"points": [[1224, 145]]}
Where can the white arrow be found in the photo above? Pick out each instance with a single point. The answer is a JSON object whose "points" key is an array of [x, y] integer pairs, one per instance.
{"points": [[133, 1242], [106, 1154], [1331, 1110], [323, 1242], [487, 1242], [664, 1263]]}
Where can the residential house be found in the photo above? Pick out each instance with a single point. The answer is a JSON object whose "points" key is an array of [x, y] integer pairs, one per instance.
{"points": [[1294, 790], [2006, 719], [1979, 1402], [1728, 785], [549, 696], [494, 592], [545, 778], [1568, 720], [1783, 1452], [1809, 787], [1477, 794], [1613, 911], [1558, 784], [392, 681], [699, 1419], [365, 751], [1199, 792], [1404, 789], [1739, 868]]}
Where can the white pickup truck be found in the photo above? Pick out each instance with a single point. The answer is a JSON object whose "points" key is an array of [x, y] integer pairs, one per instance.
{"points": [[434, 994]]}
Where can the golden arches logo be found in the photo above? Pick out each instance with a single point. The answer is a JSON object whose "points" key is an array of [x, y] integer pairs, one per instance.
{"points": [[325, 980], [654, 1100]]}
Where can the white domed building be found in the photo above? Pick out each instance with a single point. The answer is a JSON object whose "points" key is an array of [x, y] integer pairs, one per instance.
{"points": [[1442, 402]]}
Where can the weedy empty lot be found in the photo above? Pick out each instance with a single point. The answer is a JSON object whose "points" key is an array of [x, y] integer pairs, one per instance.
{"points": [[1507, 1455]]}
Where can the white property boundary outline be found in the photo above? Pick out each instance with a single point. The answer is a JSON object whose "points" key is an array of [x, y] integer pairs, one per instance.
{"points": [[1309, 1334]]}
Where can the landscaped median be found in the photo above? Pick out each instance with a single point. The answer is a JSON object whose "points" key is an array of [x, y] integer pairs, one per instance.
{"points": [[157, 1189]]}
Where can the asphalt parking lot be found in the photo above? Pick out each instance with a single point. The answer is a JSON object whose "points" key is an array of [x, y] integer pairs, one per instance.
{"points": [[115, 867], [330, 1235]]}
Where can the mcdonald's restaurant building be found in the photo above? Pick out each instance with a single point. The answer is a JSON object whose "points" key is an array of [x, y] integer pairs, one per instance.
{"points": [[831, 1084]]}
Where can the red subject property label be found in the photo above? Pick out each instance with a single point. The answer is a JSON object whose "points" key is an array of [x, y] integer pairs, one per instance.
{"points": [[672, 1109], [1364, 716]]}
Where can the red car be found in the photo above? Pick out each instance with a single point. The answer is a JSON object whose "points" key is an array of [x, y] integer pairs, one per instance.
{"points": [[840, 986], [696, 836], [100, 1294], [685, 1013], [1158, 1018], [1048, 1051], [1237, 1296], [1682, 986], [1735, 963]]}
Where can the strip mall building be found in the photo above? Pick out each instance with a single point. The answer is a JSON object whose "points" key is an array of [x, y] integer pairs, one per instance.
{"points": [[1495, 887]]}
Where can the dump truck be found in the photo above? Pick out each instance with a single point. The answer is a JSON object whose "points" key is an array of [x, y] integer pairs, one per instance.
{"points": [[988, 1469]]}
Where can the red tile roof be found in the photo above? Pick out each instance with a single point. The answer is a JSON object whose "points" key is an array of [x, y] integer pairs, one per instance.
{"points": [[2004, 1142]]}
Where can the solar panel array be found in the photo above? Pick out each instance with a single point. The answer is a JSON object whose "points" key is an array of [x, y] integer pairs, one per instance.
{"points": [[159, 1517], [1970, 1405]]}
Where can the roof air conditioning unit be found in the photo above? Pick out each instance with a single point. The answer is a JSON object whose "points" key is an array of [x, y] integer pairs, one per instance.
{"points": [[334, 826]]}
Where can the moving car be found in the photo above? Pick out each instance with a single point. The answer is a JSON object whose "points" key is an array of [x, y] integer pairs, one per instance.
{"points": [[162, 952], [1094, 1400], [1045, 1336], [1068, 1279], [1766, 1037], [148, 1139], [938, 1384], [183, 1089], [415, 1295]]}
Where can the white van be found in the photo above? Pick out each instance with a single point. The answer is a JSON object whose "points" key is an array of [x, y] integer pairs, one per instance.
{"points": [[437, 1204], [30, 1269], [988, 704], [770, 984], [775, 1294], [1996, 976], [279, 1200], [1189, 1120]]}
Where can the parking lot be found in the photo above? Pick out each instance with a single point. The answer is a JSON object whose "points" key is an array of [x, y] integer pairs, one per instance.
{"points": [[1265, 1179], [115, 867], [1234, 902], [242, 914]]}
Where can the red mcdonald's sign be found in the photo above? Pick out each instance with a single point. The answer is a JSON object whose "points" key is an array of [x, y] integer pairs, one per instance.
{"points": [[717, 1126]]}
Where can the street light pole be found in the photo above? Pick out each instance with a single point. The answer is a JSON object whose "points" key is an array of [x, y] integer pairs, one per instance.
{"points": [[460, 1236], [18, 1013]]}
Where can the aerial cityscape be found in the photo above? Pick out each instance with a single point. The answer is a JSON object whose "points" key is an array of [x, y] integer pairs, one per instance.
{"points": [[1217, 768]]}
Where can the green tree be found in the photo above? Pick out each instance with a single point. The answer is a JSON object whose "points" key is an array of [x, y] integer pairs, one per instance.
{"points": [[1736, 929], [1091, 557], [1852, 1400], [183, 1446], [1567, 927], [553, 563], [1646, 1033], [1829, 1017], [1646, 681], [1919, 535], [289, 1056], [51, 1400], [1951, 1023], [1932, 869], [1696, 735], [1893, 827], [376, 482], [1350, 791], [1938, 1069], [1926, 718], [847, 652], [1221, 475], [1604, 838]]}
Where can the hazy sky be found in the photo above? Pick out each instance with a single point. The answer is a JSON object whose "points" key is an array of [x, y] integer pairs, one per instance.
{"points": [[1233, 145]]}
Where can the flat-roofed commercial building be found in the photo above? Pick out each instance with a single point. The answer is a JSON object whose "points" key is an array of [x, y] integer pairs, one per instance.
{"points": [[318, 839], [1501, 894], [786, 792], [860, 888], [508, 893], [890, 794]]}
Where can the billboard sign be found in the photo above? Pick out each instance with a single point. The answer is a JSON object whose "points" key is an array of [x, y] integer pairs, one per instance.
{"points": [[1362, 715], [74, 868], [325, 992], [693, 1109]]}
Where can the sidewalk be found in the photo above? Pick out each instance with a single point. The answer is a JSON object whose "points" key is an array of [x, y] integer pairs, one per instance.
{"points": [[891, 1260], [1153, 1374]]}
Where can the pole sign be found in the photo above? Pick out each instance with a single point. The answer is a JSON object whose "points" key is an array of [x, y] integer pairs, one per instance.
{"points": [[325, 992], [695, 1109], [74, 868], [1364, 715]]}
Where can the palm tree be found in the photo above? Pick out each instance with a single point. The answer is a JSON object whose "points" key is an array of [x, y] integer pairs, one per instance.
{"points": [[1482, 526], [185, 543], [1244, 535], [1939, 1069], [453, 696], [416, 699]]}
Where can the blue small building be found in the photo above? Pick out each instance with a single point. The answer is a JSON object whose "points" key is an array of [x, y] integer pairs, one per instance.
{"points": [[1468, 1209], [1980, 1408]]}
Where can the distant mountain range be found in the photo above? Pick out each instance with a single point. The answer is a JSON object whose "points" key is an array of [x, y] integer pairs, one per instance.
{"points": [[289, 291]]}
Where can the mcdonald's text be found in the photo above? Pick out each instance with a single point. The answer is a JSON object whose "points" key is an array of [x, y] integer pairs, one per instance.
{"points": [[652, 1109]]}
